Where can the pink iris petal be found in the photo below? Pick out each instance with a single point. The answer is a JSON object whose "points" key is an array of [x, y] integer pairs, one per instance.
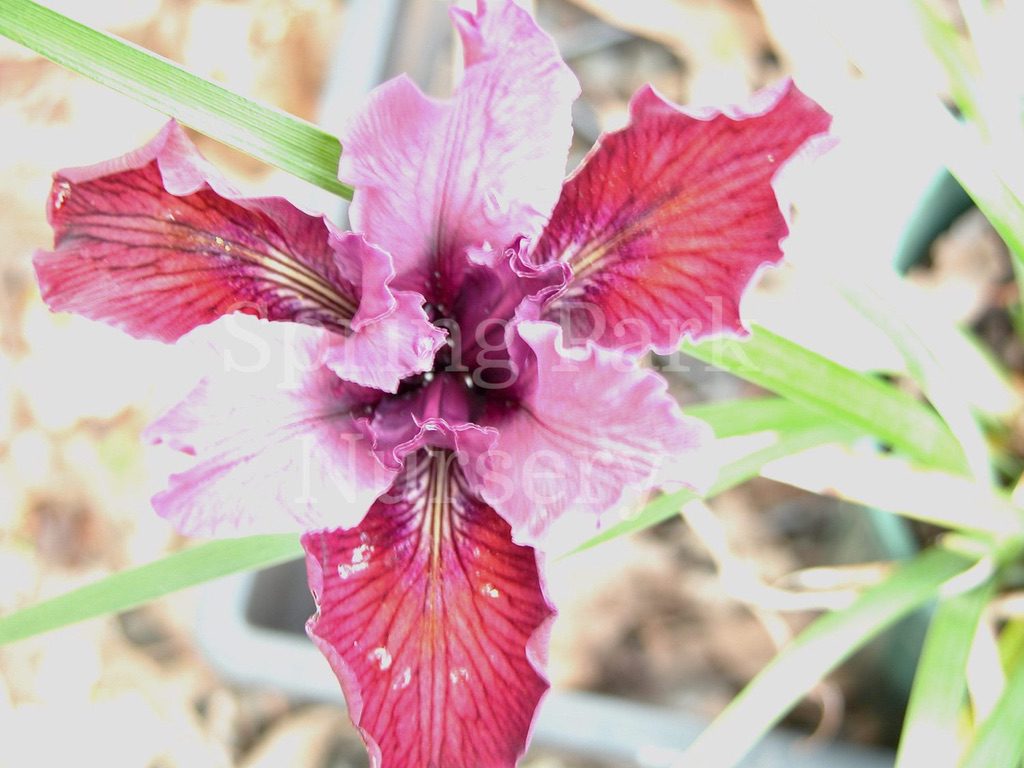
{"points": [[433, 178], [437, 413], [276, 439], [434, 621], [668, 220], [382, 350], [588, 431], [157, 244]]}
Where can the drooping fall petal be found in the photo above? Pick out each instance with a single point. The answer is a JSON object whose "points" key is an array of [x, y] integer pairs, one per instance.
{"points": [[588, 431], [157, 244], [275, 437], [667, 221], [435, 177], [434, 621]]}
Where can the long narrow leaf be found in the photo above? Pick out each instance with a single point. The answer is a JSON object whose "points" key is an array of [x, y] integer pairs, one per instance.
{"points": [[267, 134], [136, 586], [891, 484], [978, 170], [1000, 740], [952, 51], [814, 653], [749, 415], [930, 728], [839, 393]]}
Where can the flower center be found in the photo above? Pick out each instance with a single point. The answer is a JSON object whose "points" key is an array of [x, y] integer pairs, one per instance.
{"points": [[473, 367]]}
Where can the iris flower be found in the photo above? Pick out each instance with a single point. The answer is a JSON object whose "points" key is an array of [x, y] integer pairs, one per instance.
{"points": [[440, 389]]}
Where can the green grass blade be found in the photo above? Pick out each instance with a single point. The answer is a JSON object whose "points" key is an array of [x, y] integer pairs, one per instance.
{"points": [[749, 415], [935, 374], [930, 729], [953, 52], [964, 152], [1000, 740], [797, 429], [843, 395], [267, 134], [136, 586], [817, 651]]}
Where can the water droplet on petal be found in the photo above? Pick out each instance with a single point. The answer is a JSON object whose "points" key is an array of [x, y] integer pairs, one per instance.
{"points": [[382, 657], [345, 570], [489, 590], [63, 193], [458, 675], [361, 554], [403, 680]]}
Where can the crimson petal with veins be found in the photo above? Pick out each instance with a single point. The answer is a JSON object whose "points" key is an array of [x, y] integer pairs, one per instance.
{"points": [[157, 244], [434, 621], [667, 221]]}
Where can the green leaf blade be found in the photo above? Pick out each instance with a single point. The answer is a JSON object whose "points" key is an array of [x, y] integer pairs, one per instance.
{"points": [[822, 385], [267, 134], [817, 651], [940, 683], [1000, 740], [128, 589]]}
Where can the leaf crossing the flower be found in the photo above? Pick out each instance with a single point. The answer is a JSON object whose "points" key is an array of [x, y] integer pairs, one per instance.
{"points": [[267, 134]]}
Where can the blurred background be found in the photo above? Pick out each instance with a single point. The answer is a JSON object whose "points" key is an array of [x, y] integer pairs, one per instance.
{"points": [[649, 618]]}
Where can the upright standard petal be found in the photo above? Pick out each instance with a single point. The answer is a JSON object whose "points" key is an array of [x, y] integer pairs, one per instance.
{"points": [[155, 243], [584, 431], [276, 437], [434, 621], [667, 221], [433, 178]]}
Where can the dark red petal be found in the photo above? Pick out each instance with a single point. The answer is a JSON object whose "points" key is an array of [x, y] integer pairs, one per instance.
{"points": [[155, 243], [434, 622], [668, 220]]}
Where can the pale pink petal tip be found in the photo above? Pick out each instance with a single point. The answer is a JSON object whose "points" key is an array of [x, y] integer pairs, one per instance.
{"points": [[275, 440], [555, 457]]}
